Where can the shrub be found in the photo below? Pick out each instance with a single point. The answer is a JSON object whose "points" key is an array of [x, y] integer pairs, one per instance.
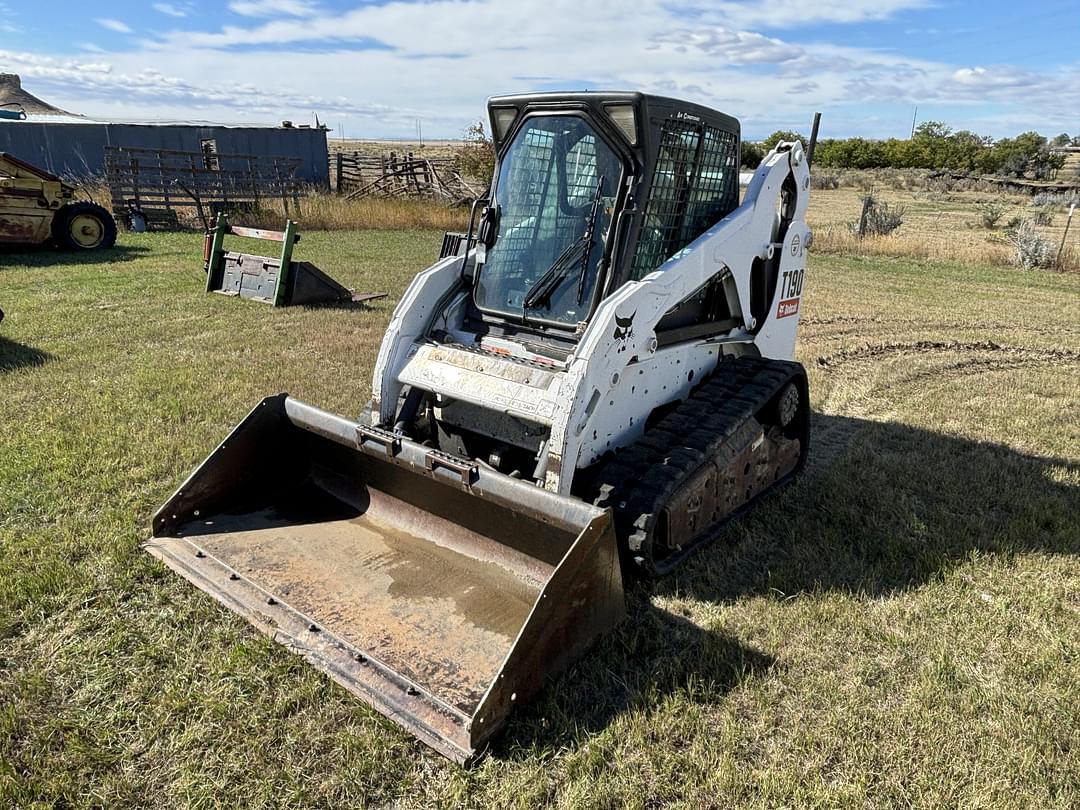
{"points": [[1043, 215], [881, 220], [1049, 198], [824, 181], [990, 214], [751, 155], [781, 135], [477, 154], [1030, 250]]}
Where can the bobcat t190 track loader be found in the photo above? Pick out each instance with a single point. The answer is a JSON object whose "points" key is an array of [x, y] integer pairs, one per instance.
{"points": [[586, 384]]}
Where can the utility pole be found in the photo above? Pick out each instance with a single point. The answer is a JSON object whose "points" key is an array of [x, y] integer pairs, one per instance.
{"points": [[914, 118]]}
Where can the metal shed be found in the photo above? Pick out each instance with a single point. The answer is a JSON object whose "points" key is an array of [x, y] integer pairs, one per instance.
{"points": [[72, 145]]}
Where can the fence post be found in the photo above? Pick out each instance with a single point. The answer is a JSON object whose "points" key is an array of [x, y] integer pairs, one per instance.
{"points": [[338, 170], [1068, 222], [866, 203]]}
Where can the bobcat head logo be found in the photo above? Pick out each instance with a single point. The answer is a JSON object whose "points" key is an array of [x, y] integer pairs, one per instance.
{"points": [[624, 327]]}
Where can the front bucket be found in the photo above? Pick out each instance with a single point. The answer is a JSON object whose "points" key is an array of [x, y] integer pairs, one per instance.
{"points": [[439, 592]]}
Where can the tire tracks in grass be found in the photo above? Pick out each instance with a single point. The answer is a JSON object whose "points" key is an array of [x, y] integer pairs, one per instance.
{"points": [[923, 347], [831, 438], [922, 323]]}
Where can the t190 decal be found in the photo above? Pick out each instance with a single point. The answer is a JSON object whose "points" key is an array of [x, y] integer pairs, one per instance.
{"points": [[790, 290]]}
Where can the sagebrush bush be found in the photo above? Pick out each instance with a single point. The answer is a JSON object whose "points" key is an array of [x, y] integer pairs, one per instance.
{"points": [[881, 219], [1031, 250], [1051, 199], [1043, 215], [823, 181], [990, 214]]}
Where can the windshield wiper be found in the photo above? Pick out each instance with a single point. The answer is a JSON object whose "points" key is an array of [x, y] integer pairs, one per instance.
{"points": [[576, 256]]}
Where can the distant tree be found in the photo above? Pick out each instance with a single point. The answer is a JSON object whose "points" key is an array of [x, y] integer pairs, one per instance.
{"points": [[780, 135], [936, 146], [906, 154], [752, 155], [1027, 153], [933, 129], [962, 150], [477, 154], [1062, 140]]}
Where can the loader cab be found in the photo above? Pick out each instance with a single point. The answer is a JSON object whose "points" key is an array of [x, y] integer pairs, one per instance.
{"points": [[592, 190]]}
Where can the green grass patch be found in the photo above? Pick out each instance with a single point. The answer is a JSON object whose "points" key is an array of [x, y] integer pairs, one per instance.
{"points": [[899, 627]]}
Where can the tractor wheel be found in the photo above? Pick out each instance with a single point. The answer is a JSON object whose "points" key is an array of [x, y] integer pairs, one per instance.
{"points": [[84, 226]]}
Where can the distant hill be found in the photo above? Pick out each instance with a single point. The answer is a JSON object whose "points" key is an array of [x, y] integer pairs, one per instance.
{"points": [[12, 96]]}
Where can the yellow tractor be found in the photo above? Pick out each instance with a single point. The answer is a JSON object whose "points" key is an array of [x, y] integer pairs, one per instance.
{"points": [[37, 206]]}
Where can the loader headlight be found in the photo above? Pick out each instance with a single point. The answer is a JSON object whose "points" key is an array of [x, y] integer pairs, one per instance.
{"points": [[503, 119], [625, 118]]}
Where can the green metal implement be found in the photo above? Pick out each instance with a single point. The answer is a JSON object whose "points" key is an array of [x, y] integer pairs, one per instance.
{"points": [[278, 281]]}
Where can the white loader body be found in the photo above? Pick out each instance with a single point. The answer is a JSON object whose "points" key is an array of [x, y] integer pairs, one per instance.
{"points": [[599, 400]]}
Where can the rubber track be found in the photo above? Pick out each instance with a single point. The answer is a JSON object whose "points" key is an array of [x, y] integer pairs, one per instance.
{"points": [[643, 477]]}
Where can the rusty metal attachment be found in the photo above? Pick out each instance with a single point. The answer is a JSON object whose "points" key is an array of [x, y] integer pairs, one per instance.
{"points": [[441, 593], [37, 207], [279, 281]]}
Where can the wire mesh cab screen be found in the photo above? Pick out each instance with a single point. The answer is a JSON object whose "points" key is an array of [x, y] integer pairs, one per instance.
{"points": [[695, 184]]}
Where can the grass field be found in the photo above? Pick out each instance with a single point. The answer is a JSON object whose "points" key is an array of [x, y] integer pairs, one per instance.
{"points": [[938, 226], [901, 627]]}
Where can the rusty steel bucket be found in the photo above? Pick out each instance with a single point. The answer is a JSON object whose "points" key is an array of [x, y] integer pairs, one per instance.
{"points": [[440, 592]]}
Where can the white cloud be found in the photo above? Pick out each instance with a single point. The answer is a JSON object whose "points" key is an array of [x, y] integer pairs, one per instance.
{"points": [[170, 9], [273, 8], [796, 13], [377, 67], [732, 47], [7, 24], [114, 25], [150, 88], [980, 78]]}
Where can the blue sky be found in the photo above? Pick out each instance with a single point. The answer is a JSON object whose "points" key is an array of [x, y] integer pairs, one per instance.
{"points": [[372, 69]]}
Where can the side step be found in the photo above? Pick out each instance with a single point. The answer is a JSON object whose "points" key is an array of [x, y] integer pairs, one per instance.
{"points": [[439, 592]]}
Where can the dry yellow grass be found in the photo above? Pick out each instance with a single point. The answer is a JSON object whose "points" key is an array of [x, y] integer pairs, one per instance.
{"points": [[427, 149], [328, 212], [943, 227], [323, 211]]}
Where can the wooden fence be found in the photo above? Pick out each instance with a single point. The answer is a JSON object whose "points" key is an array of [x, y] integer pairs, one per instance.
{"points": [[357, 174], [162, 184]]}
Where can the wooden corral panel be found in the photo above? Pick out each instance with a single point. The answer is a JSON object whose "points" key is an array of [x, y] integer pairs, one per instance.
{"points": [[359, 174], [168, 186]]}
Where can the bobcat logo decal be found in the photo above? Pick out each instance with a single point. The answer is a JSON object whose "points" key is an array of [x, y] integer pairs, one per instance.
{"points": [[624, 327]]}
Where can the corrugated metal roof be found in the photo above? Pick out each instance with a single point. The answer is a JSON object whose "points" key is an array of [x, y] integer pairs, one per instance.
{"points": [[78, 119]]}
